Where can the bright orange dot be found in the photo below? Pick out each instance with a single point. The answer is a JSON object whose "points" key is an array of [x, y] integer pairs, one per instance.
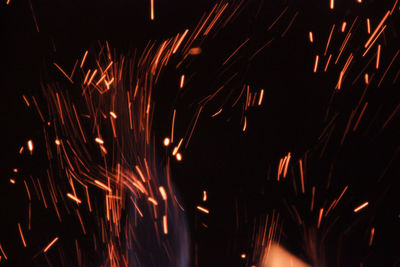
{"points": [[30, 146], [167, 141], [12, 181], [178, 156], [243, 256], [57, 142], [15, 170]]}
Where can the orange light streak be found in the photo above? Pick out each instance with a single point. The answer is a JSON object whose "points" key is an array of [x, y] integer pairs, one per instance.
{"points": [[165, 226], [103, 186], [361, 207], [377, 29], [182, 81], [50, 244], [316, 63], [22, 235], [74, 198], [204, 210], [378, 57]]}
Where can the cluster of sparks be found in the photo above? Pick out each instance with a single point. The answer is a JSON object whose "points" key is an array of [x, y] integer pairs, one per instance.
{"points": [[105, 141]]}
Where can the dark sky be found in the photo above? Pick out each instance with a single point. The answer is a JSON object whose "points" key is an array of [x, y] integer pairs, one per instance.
{"points": [[238, 169]]}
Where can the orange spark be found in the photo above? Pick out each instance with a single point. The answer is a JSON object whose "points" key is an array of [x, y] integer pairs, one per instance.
{"points": [[260, 99], [12, 181], [2, 251], [344, 24], [22, 235], [50, 244], [321, 211], [316, 63], [368, 26], [113, 115], [182, 81], [361, 207], [377, 29], [204, 195], [371, 238], [74, 198], [166, 141], [178, 156], [152, 9], [378, 56], [84, 58], [165, 226], [152, 200], [203, 209], [311, 36], [99, 140], [243, 256], [332, 4], [103, 186], [30, 146], [26, 100], [163, 193]]}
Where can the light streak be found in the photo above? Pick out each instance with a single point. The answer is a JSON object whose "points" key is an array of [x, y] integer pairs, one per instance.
{"points": [[50, 245], [74, 198], [362, 206], [204, 210]]}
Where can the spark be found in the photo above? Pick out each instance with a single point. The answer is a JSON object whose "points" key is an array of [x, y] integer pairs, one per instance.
{"points": [[57, 142], [371, 238], [311, 37], [99, 140], [12, 181], [30, 146], [321, 212], [344, 24], [166, 141], [204, 210], [103, 186], [74, 198], [260, 99], [378, 56], [377, 29], [165, 226], [83, 59], [195, 51], [152, 200], [366, 78], [22, 235], [63, 72], [178, 156], [26, 100], [15, 170], [2, 251], [368, 26], [361, 207], [113, 115], [204, 195], [316, 63], [243, 256], [216, 113], [163, 192], [50, 245], [182, 81], [301, 176], [332, 4], [180, 41], [152, 9]]}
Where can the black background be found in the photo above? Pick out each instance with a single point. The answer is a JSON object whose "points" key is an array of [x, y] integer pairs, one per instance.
{"points": [[231, 165]]}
